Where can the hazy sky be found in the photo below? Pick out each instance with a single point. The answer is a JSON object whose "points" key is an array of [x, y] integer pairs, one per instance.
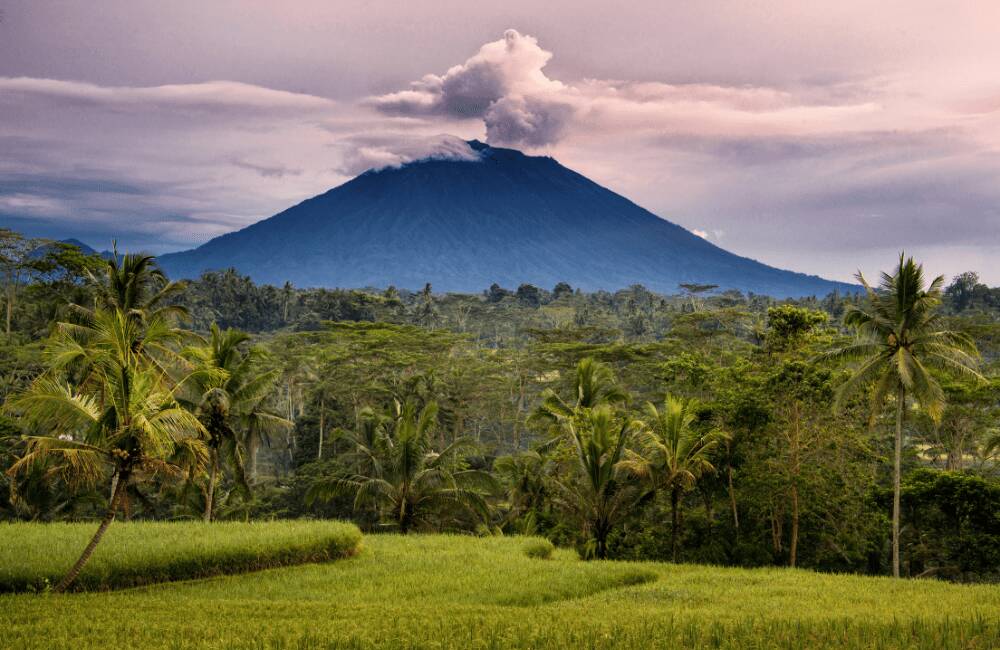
{"points": [[817, 136]]}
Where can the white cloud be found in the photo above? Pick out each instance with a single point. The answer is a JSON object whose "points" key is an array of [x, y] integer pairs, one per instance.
{"points": [[393, 150], [24, 203], [212, 96], [503, 84]]}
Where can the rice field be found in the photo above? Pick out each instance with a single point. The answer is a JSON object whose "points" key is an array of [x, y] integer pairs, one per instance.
{"points": [[36, 556], [464, 592]]}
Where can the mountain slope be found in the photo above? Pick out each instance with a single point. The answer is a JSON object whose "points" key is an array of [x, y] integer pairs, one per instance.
{"points": [[463, 225]]}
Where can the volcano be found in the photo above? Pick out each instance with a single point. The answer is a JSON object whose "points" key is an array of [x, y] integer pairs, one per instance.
{"points": [[499, 216]]}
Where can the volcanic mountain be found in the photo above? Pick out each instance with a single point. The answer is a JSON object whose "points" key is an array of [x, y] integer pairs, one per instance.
{"points": [[502, 217]]}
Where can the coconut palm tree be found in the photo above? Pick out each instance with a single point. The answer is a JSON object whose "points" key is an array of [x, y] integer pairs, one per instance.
{"points": [[674, 453], [900, 338], [123, 417], [524, 477], [366, 441], [135, 285], [594, 384], [398, 471], [599, 491], [226, 390]]}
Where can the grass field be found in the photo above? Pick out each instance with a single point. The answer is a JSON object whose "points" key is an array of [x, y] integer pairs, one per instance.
{"points": [[459, 592], [35, 555]]}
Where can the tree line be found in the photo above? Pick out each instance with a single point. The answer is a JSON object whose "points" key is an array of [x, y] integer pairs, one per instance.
{"points": [[850, 432]]}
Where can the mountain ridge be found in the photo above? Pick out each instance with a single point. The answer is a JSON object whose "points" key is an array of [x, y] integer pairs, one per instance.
{"points": [[462, 225]]}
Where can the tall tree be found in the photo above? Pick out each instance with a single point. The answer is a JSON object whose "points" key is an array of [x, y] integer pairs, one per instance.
{"points": [[397, 469], [675, 453], [795, 384], [525, 481], [593, 385], [227, 390], [134, 285], [900, 339], [123, 417], [599, 490], [17, 261]]}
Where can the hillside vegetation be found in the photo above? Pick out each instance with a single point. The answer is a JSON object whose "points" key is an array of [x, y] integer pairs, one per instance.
{"points": [[848, 434], [462, 592]]}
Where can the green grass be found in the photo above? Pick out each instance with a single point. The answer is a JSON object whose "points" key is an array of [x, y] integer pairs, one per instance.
{"points": [[33, 556], [460, 592], [540, 549]]}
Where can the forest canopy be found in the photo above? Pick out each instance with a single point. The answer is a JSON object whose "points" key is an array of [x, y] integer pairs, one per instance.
{"points": [[707, 426]]}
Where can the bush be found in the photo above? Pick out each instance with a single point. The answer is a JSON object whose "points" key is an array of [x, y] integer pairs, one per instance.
{"points": [[952, 529], [33, 555], [539, 549]]}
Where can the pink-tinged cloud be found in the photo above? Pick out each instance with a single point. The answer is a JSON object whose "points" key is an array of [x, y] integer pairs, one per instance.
{"points": [[506, 87], [207, 97]]}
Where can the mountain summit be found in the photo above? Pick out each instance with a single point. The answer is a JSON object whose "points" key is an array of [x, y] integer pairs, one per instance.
{"points": [[464, 224]]}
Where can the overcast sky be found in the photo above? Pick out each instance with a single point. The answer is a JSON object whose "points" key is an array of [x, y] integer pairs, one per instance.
{"points": [[822, 137]]}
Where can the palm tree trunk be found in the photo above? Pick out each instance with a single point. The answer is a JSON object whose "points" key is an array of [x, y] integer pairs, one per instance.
{"points": [[794, 545], [732, 501], [252, 443], [322, 408], [897, 472], [210, 492], [675, 523], [116, 501], [404, 518]]}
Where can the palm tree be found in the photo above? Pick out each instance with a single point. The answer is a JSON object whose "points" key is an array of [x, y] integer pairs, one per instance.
{"points": [[675, 454], [227, 389], [135, 285], [900, 339], [526, 484], [123, 417], [594, 384], [599, 492], [398, 471]]}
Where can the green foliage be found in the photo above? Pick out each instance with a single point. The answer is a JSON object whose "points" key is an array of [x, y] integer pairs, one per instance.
{"points": [[674, 453], [140, 553], [527, 484], [539, 549], [598, 492], [120, 417], [900, 340], [952, 525], [531, 390], [789, 326], [226, 388], [396, 469]]}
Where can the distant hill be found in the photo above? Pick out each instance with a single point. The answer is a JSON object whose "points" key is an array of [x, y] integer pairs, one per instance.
{"points": [[462, 225], [44, 249], [79, 244]]}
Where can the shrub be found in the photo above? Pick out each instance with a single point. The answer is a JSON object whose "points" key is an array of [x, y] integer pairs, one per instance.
{"points": [[539, 549], [34, 555]]}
